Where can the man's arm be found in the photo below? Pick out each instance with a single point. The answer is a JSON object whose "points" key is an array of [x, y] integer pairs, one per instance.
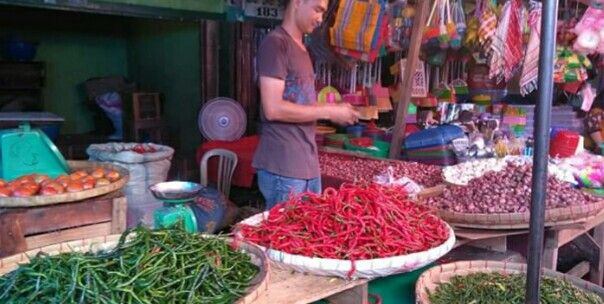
{"points": [[277, 109]]}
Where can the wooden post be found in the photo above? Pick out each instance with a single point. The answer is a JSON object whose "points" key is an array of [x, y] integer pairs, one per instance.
{"points": [[406, 83], [595, 272], [12, 238], [209, 59], [550, 251], [118, 218]]}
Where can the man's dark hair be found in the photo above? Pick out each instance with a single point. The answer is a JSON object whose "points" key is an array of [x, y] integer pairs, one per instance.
{"points": [[285, 3]]}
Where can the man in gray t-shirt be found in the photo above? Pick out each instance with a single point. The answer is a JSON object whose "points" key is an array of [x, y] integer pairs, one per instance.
{"points": [[286, 158]]}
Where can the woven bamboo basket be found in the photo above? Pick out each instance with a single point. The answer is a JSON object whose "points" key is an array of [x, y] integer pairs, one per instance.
{"points": [[437, 275], [499, 221], [553, 217], [258, 285], [364, 269], [42, 200]]}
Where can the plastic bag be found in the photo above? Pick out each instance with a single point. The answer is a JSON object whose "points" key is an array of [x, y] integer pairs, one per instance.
{"points": [[111, 103], [388, 178]]}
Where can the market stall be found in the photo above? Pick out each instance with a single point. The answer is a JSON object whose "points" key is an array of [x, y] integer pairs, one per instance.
{"points": [[465, 162]]}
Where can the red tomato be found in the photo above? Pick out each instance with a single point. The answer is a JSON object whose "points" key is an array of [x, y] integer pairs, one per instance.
{"points": [[3, 183], [13, 185], [102, 182], [25, 179], [113, 175], [74, 186], [57, 186], [98, 173], [88, 184], [63, 180], [5, 192], [33, 187], [23, 192], [48, 191], [41, 178]]}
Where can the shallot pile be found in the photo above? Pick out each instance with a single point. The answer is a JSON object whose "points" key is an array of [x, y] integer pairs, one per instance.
{"points": [[352, 223], [362, 170], [506, 191]]}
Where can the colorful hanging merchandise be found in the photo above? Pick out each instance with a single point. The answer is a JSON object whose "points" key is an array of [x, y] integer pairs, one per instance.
{"points": [[400, 16], [590, 32], [506, 48], [459, 17], [360, 29], [530, 67], [487, 20], [440, 34], [570, 69], [471, 37]]}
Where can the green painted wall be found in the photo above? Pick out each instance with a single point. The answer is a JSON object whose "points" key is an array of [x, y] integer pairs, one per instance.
{"points": [[74, 47], [164, 57], [210, 6]]}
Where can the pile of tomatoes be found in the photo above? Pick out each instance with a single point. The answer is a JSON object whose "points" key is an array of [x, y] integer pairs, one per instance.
{"points": [[142, 149], [39, 184]]}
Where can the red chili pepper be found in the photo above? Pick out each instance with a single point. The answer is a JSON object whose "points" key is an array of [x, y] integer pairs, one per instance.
{"points": [[352, 223]]}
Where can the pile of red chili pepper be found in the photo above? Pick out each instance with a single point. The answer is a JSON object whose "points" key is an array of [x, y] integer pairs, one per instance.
{"points": [[352, 223]]}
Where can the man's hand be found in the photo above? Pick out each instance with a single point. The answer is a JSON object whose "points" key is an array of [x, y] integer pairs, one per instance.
{"points": [[342, 114]]}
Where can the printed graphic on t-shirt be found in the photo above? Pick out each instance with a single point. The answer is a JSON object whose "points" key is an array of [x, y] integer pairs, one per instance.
{"points": [[300, 90]]}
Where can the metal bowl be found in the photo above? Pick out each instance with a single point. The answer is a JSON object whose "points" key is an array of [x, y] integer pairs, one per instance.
{"points": [[175, 190]]}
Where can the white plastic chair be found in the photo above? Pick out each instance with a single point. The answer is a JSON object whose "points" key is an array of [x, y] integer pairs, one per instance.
{"points": [[227, 162]]}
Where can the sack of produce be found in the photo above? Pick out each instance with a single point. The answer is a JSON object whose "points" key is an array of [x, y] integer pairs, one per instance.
{"points": [[354, 232], [147, 164]]}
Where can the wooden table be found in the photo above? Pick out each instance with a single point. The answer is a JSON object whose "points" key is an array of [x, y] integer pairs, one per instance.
{"points": [[288, 287], [26, 228], [555, 237]]}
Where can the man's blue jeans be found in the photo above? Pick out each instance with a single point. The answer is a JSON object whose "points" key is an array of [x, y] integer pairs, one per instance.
{"points": [[276, 188]]}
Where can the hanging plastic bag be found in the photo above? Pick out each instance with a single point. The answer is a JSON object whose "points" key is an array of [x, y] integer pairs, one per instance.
{"points": [[459, 17], [454, 38], [444, 37], [431, 33]]}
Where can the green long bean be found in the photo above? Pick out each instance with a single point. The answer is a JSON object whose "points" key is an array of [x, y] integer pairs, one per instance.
{"points": [[156, 266], [497, 288]]}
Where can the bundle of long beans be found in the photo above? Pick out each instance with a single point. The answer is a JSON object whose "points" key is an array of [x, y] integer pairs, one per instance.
{"points": [[155, 266], [491, 288]]}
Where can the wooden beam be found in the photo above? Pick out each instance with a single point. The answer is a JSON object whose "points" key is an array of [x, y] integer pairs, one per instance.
{"points": [[66, 235], [586, 244], [567, 235], [419, 24], [356, 295], [579, 270], [56, 217]]}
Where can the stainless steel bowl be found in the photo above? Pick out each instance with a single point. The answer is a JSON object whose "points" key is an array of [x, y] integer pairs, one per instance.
{"points": [[175, 190]]}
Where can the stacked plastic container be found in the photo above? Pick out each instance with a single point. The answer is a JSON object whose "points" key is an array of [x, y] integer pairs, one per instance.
{"points": [[431, 146]]}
